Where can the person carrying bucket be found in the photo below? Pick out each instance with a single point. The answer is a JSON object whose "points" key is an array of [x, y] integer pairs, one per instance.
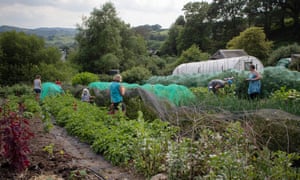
{"points": [[116, 91]]}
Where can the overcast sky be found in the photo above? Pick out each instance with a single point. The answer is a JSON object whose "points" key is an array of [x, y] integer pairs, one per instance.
{"points": [[68, 13]]}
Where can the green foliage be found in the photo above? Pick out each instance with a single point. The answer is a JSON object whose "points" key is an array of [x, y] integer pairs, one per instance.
{"points": [[193, 54], [150, 152], [253, 41], [49, 150], [136, 103], [78, 174], [136, 75], [226, 151], [22, 55], [84, 78], [103, 37], [273, 78], [63, 71], [286, 95], [196, 29], [113, 136], [107, 62], [16, 89], [169, 46], [283, 52], [276, 77], [230, 154]]}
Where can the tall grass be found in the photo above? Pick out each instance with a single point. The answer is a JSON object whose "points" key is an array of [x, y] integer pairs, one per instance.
{"points": [[232, 103]]}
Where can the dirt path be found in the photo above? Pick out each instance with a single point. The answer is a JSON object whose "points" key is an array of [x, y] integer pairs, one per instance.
{"points": [[85, 157], [65, 158]]}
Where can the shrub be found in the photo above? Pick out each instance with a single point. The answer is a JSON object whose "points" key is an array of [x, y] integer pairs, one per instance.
{"points": [[283, 52], [84, 78], [16, 89], [253, 41], [136, 75]]}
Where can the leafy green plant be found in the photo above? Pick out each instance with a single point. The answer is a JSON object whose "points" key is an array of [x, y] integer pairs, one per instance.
{"points": [[222, 150], [84, 78], [49, 150], [136, 74], [78, 174], [286, 94]]}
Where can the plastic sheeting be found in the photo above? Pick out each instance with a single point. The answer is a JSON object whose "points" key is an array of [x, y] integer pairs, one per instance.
{"points": [[220, 65]]}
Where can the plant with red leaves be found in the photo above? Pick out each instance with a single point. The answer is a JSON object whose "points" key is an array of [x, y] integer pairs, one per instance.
{"points": [[14, 137]]}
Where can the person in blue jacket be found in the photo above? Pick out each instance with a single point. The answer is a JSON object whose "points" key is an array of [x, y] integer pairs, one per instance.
{"points": [[117, 91], [254, 82]]}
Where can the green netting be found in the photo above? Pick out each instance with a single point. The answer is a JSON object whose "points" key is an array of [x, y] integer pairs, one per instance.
{"points": [[273, 78], [49, 88], [192, 80], [284, 62], [176, 94]]}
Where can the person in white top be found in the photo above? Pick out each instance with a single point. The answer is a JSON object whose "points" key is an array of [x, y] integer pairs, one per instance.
{"points": [[37, 87]]}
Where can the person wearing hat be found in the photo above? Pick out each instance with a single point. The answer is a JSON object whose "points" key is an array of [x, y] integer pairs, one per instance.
{"points": [[216, 84], [116, 91]]}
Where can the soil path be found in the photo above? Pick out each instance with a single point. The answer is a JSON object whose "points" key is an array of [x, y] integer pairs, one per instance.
{"points": [[85, 157]]}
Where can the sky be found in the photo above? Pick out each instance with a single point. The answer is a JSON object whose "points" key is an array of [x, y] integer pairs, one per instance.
{"points": [[68, 13]]}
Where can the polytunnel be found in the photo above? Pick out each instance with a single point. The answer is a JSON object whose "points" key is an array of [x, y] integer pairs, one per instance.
{"points": [[219, 65]]}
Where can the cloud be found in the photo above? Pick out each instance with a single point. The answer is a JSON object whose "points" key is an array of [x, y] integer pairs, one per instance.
{"points": [[68, 13]]}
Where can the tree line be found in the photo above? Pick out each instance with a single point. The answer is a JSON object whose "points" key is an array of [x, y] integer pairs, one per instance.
{"points": [[104, 42]]}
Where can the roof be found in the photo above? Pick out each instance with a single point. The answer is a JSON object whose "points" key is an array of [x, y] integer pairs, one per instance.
{"points": [[228, 53]]}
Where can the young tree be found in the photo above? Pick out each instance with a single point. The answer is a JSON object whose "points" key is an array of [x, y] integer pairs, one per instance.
{"points": [[104, 33], [22, 55], [193, 54], [253, 41], [196, 29]]}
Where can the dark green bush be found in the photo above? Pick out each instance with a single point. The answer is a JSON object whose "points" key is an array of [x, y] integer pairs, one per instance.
{"points": [[283, 52]]}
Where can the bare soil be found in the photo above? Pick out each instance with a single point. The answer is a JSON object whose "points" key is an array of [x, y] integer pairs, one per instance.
{"points": [[71, 159]]}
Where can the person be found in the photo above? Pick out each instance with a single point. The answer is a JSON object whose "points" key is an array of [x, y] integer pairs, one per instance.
{"points": [[85, 95], [37, 87], [254, 82], [216, 84], [58, 82], [116, 91]]}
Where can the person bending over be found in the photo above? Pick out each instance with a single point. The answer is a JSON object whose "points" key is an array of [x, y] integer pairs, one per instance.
{"points": [[215, 84]]}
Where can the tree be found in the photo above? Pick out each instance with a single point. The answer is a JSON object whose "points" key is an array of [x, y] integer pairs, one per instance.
{"points": [[21, 56], [170, 45], [196, 30], [253, 41], [104, 33], [292, 8], [193, 54], [227, 18]]}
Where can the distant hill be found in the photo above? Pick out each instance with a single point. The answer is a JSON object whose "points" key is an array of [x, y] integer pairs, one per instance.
{"points": [[43, 31], [53, 36]]}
